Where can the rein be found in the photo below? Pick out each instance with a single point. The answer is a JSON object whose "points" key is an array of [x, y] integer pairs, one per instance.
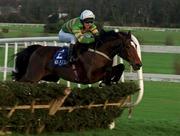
{"points": [[100, 53]]}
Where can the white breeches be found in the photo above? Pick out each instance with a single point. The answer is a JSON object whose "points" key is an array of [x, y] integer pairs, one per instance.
{"points": [[67, 37]]}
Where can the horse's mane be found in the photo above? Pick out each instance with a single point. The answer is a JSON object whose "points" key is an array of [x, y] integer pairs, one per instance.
{"points": [[110, 34], [104, 36]]}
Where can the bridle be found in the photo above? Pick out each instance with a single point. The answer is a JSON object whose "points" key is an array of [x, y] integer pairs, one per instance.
{"points": [[106, 56]]}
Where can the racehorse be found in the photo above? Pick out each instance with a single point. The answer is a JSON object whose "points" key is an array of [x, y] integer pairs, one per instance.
{"points": [[93, 64]]}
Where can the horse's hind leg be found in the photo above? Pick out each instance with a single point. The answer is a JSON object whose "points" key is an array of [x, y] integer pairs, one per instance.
{"points": [[51, 77], [25, 79], [31, 77], [34, 73]]}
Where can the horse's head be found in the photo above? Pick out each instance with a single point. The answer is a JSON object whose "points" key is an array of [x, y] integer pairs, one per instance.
{"points": [[120, 43], [128, 49]]}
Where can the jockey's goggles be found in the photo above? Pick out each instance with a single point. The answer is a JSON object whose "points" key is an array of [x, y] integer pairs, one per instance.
{"points": [[88, 21]]}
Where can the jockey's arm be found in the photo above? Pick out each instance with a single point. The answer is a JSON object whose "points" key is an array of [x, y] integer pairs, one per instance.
{"points": [[82, 38], [94, 30]]}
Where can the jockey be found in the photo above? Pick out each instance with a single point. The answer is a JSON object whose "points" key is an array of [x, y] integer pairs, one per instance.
{"points": [[79, 29]]}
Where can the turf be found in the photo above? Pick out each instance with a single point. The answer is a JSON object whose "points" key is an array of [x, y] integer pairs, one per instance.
{"points": [[21, 31], [157, 37], [159, 62]]}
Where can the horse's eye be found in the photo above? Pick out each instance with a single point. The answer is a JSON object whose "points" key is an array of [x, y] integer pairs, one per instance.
{"points": [[127, 46]]}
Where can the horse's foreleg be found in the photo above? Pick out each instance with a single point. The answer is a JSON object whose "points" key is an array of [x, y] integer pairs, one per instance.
{"points": [[113, 74], [117, 72], [107, 78]]}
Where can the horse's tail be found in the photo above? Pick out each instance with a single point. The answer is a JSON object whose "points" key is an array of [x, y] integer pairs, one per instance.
{"points": [[22, 61]]}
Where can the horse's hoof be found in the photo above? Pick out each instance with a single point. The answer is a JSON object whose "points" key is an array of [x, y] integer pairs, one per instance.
{"points": [[102, 84], [114, 83], [112, 125]]}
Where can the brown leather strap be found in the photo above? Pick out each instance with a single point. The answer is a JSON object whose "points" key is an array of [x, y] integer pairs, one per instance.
{"points": [[75, 72]]}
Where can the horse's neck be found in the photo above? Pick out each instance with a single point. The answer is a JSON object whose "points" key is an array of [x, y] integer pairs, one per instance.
{"points": [[109, 47]]}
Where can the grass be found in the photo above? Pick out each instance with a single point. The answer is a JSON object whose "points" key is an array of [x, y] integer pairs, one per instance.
{"points": [[161, 101], [157, 37], [23, 31], [10, 56], [159, 62]]}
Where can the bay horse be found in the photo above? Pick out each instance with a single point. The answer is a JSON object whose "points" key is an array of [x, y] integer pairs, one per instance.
{"points": [[92, 65]]}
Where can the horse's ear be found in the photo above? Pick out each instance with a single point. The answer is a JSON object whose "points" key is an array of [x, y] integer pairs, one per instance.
{"points": [[129, 34]]}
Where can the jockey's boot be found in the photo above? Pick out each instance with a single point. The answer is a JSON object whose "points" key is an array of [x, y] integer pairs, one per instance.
{"points": [[72, 59], [72, 55]]}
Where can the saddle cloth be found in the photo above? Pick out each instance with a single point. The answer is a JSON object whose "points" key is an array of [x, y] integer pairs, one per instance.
{"points": [[61, 56]]}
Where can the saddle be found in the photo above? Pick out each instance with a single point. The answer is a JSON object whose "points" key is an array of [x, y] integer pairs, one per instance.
{"points": [[75, 50]]}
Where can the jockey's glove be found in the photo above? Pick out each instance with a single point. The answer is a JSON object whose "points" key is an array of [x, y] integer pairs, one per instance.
{"points": [[88, 35], [87, 38]]}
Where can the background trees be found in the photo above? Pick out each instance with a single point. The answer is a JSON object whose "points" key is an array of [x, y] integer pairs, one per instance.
{"points": [[163, 13]]}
